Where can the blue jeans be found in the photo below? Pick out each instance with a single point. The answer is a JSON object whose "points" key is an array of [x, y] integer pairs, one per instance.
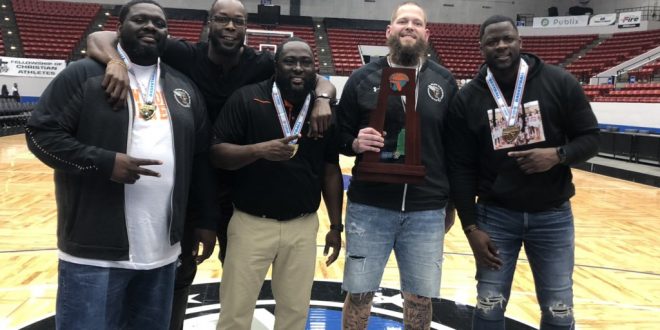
{"points": [[90, 297], [549, 241], [416, 237]]}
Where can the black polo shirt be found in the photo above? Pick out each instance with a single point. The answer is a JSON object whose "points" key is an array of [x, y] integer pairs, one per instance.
{"points": [[280, 190], [216, 86]]}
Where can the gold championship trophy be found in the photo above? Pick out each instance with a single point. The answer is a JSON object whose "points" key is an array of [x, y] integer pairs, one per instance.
{"points": [[397, 82]]}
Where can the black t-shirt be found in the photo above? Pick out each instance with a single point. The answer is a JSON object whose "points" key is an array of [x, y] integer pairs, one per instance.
{"points": [[274, 189], [193, 61]]}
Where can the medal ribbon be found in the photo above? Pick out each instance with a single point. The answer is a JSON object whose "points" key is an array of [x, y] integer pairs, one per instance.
{"points": [[281, 114], [148, 98], [510, 113]]}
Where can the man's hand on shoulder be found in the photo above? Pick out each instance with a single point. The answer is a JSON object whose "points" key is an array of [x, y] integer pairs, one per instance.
{"points": [[320, 118], [116, 83]]}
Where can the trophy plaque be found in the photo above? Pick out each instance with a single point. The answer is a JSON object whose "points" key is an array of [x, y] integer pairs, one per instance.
{"points": [[399, 161]]}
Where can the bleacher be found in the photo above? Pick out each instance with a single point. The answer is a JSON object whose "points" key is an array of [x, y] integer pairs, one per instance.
{"points": [[632, 93], [556, 49], [51, 29], [344, 47], [178, 28], [619, 48], [14, 114]]}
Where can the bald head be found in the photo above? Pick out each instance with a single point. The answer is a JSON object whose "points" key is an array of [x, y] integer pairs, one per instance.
{"points": [[220, 6], [406, 4]]}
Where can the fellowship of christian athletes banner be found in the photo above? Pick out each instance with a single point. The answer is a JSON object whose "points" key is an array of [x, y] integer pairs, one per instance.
{"points": [[30, 67]]}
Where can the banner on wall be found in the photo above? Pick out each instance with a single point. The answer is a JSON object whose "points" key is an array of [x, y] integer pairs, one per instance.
{"points": [[30, 67], [630, 20], [561, 21], [602, 19]]}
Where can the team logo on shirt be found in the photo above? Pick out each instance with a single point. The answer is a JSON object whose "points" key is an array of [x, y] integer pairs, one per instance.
{"points": [[182, 97], [435, 92]]}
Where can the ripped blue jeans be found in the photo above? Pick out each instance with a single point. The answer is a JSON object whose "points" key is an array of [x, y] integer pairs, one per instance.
{"points": [[417, 240], [548, 238]]}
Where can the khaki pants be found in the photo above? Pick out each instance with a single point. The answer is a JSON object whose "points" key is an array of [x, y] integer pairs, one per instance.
{"points": [[254, 243]]}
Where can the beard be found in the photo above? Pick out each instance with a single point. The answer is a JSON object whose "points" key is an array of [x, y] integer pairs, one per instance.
{"points": [[295, 93], [406, 55], [140, 53]]}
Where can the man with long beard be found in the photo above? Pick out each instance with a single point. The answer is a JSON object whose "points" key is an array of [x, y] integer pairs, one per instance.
{"points": [[218, 67], [122, 178], [408, 218], [278, 178]]}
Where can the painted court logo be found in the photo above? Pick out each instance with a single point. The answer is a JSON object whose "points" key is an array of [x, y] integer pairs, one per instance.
{"points": [[324, 311]]}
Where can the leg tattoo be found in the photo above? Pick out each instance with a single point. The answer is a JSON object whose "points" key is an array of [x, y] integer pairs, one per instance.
{"points": [[417, 312], [357, 308]]}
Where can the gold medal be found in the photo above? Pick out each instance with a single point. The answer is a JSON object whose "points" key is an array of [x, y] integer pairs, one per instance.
{"points": [[147, 111], [510, 133], [295, 149]]}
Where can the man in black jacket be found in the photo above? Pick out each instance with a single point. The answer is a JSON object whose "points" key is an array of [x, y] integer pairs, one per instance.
{"points": [[219, 67], [122, 179], [406, 218], [514, 131]]}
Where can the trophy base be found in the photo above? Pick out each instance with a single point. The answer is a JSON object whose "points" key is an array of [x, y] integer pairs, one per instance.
{"points": [[390, 173]]}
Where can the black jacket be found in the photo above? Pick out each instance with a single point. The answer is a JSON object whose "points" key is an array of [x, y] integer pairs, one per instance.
{"points": [[75, 131], [436, 88], [476, 169]]}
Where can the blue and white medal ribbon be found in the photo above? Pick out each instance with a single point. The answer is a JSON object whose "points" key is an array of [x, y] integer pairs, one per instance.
{"points": [[284, 121], [148, 109], [510, 113]]}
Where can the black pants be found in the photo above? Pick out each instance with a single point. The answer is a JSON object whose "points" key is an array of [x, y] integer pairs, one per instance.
{"points": [[187, 269]]}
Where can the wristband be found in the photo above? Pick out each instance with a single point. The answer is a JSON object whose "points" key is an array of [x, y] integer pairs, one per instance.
{"points": [[470, 229], [339, 227]]}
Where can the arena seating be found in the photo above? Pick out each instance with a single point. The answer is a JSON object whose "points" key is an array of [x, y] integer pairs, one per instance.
{"points": [[2, 44], [51, 29], [344, 47], [556, 49], [646, 72], [634, 93], [186, 29], [619, 48], [14, 114]]}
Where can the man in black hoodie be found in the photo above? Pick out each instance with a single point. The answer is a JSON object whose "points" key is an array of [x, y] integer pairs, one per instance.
{"points": [[513, 133]]}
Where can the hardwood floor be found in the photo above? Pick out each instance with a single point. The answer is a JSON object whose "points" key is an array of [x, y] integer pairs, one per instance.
{"points": [[617, 271]]}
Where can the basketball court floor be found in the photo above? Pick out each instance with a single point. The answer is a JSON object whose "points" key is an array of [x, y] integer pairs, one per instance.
{"points": [[617, 271]]}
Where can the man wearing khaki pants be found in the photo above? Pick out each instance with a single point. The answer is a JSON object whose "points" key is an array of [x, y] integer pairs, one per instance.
{"points": [[279, 175]]}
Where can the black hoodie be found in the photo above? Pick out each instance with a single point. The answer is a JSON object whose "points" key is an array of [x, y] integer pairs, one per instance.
{"points": [[476, 169]]}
